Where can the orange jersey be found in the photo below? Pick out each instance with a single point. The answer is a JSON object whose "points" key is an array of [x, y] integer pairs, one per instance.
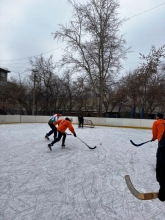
{"points": [[63, 125], [158, 129]]}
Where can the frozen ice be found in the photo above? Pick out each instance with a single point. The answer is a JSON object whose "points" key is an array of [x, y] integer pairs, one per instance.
{"points": [[76, 183]]}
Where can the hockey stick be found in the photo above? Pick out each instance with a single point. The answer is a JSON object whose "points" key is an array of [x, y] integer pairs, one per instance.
{"points": [[138, 145], [136, 193], [87, 145]]}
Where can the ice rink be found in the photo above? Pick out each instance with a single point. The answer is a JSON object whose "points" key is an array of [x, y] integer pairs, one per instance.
{"points": [[76, 183]]}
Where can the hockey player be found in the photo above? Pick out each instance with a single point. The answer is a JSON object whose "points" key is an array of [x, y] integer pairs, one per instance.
{"points": [[53, 119], [63, 124], [158, 132]]}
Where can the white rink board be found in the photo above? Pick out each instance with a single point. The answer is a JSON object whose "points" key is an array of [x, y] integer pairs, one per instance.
{"points": [[2, 119], [114, 122], [42, 119], [12, 118], [28, 118], [131, 122], [119, 122]]}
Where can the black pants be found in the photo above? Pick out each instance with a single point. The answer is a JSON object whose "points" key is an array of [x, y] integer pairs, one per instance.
{"points": [[60, 134], [54, 130], [80, 124], [160, 169]]}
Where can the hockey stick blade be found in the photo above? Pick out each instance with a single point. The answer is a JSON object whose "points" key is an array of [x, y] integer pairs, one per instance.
{"points": [[87, 145], [138, 145], [91, 147], [137, 194]]}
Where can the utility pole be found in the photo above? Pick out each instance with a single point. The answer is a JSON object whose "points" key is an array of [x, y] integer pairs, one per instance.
{"points": [[34, 90]]}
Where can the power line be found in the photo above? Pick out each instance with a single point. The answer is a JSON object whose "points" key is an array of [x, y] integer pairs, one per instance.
{"points": [[53, 61], [129, 63], [62, 46], [15, 63], [146, 11], [34, 55], [11, 64]]}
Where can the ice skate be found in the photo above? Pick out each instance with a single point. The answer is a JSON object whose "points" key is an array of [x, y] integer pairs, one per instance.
{"points": [[50, 146], [63, 145], [46, 136]]}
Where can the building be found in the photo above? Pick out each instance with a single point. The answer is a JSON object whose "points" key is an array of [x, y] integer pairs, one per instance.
{"points": [[3, 77], [3, 83]]}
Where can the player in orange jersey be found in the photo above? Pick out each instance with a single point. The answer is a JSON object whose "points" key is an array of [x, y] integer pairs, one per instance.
{"points": [[62, 126], [158, 132]]}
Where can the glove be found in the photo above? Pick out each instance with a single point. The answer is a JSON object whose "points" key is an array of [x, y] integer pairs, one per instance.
{"points": [[75, 134]]}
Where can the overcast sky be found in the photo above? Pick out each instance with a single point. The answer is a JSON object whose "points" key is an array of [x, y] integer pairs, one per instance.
{"points": [[26, 30]]}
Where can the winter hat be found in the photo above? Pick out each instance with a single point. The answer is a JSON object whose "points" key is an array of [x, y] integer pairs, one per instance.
{"points": [[160, 115], [69, 119]]}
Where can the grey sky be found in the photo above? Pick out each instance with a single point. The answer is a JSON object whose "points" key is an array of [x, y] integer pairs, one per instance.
{"points": [[26, 28]]}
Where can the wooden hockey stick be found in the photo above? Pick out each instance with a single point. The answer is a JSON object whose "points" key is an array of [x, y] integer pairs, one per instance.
{"points": [[137, 194], [138, 145], [87, 145]]}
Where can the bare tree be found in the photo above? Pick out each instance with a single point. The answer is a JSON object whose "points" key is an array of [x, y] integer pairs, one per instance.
{"points": [[150, 79], [94, 43], [143, 87], [68, 92], [17, 99], [46, 84]]}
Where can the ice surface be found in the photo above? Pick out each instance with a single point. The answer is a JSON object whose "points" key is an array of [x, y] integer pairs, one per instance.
{"points": [[76, 183]]}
